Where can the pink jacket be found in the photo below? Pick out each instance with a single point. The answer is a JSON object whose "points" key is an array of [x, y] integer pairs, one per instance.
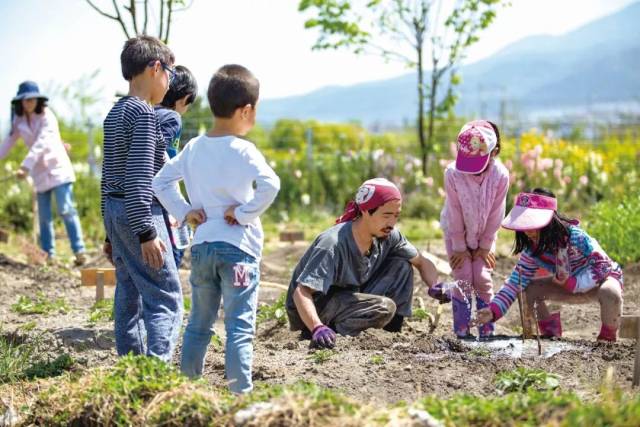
{"points": [[474, 206], [47, 161]]}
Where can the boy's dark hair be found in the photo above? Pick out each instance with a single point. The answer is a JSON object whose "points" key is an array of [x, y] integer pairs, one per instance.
{"points": [[139, 52], [183, 84], [495, 129], [18, 109], [552, 237], [230, 88]]}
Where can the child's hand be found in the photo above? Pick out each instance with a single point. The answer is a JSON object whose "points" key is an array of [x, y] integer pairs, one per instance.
{"points": [[484, 315], [22, 173], [457, 259], [152, 251], [107, 250], [487, 256], [67, 146], [230, 216], [196, 217]]}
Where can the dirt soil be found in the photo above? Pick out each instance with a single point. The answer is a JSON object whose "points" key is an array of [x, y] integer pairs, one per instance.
{"points": [[376, 366]]}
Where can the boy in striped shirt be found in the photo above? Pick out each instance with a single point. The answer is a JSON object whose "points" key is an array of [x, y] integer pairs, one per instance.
{"points": [[148, 295]]}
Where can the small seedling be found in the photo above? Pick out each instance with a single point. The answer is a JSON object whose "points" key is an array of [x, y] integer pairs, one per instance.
{"points": [[421, 314], [101, 311], [275, 311], [377, 359], [321, 356], [216, 342], [187, 303], [41, 304], [522, 379], [480, 352]]}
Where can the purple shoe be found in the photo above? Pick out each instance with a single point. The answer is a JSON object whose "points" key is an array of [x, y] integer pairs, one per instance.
{"points": [[461, 317]]}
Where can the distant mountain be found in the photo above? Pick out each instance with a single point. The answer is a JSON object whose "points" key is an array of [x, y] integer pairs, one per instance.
{"points": [[596, 63]]}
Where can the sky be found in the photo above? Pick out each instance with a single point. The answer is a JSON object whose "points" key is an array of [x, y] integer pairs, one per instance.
{"points": [[56, 42]]}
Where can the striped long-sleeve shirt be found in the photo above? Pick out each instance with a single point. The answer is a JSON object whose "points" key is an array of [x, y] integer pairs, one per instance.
{"points": [[134, 151], [581, 266]]}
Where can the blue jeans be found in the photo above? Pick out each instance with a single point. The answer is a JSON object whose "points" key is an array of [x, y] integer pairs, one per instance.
{"points": [[67, 210], [220, 270], [147, 302]]}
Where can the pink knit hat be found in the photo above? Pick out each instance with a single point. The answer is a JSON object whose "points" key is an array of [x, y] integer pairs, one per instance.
{"points": [[530, 212], [476, 141]]}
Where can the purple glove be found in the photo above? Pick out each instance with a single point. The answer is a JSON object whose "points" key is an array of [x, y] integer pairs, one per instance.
{"points": [[323, 337], [438, 293]]}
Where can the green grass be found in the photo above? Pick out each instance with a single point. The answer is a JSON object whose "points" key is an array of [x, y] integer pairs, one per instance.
{"points": [[186, 301], [41, 304], [21, 358], [145, 391], [522, 379], [616, 226], [101, 311]]}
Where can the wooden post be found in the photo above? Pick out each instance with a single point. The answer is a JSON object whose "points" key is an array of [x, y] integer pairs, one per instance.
{"points": [[98, 277], [630, 328], [99, 286]]}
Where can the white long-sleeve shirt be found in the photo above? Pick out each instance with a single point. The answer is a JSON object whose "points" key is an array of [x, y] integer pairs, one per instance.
{"points": [[220, 172]]}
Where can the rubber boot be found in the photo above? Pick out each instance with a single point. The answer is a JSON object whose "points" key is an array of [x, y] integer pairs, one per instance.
{"points": [[487, 329], [607, 333], [551, 326], [461, 317]]}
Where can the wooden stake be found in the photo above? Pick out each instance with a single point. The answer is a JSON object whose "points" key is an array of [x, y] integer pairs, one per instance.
{"points": [[520, 303], [99, 285], [636, 365], [630, 328]]}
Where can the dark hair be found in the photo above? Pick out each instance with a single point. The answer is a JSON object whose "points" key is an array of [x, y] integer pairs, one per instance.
{"points": [[495, 129], [230, 88], [138, 52], [552, 237], [183, 84], [18, 109]]}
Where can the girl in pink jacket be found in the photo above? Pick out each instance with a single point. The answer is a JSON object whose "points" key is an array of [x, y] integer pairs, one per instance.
{"points": [[476, 188], [48, 163]]}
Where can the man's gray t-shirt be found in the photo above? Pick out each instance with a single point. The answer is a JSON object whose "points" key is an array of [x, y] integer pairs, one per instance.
{"points": [[334, 260]]}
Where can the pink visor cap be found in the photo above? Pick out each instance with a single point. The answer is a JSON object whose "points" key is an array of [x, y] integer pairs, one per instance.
{"points": [[531, 212], [476, 141]]}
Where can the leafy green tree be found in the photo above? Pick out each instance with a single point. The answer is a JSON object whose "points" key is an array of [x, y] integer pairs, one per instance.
{"points": [[418, 33], [135, 20]]}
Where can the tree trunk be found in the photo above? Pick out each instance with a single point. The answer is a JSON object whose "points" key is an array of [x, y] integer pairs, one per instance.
{"points": [[432, 112], [421, 137]]}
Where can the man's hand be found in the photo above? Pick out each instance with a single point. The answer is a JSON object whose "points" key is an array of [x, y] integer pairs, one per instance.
{"points": [[484, 315], [230, 215], [487, 256], [437, 292], [22, 173], [152, 253], [323, 337], [196, 217], [107, 250], [457, 259]]}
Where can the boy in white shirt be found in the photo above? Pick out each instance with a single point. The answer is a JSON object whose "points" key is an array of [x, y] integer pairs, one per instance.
{"points": [[219, 170]]}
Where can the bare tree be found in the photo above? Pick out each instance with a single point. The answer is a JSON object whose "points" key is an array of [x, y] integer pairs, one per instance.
{"points": [[417, 33], [134, 20]]}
